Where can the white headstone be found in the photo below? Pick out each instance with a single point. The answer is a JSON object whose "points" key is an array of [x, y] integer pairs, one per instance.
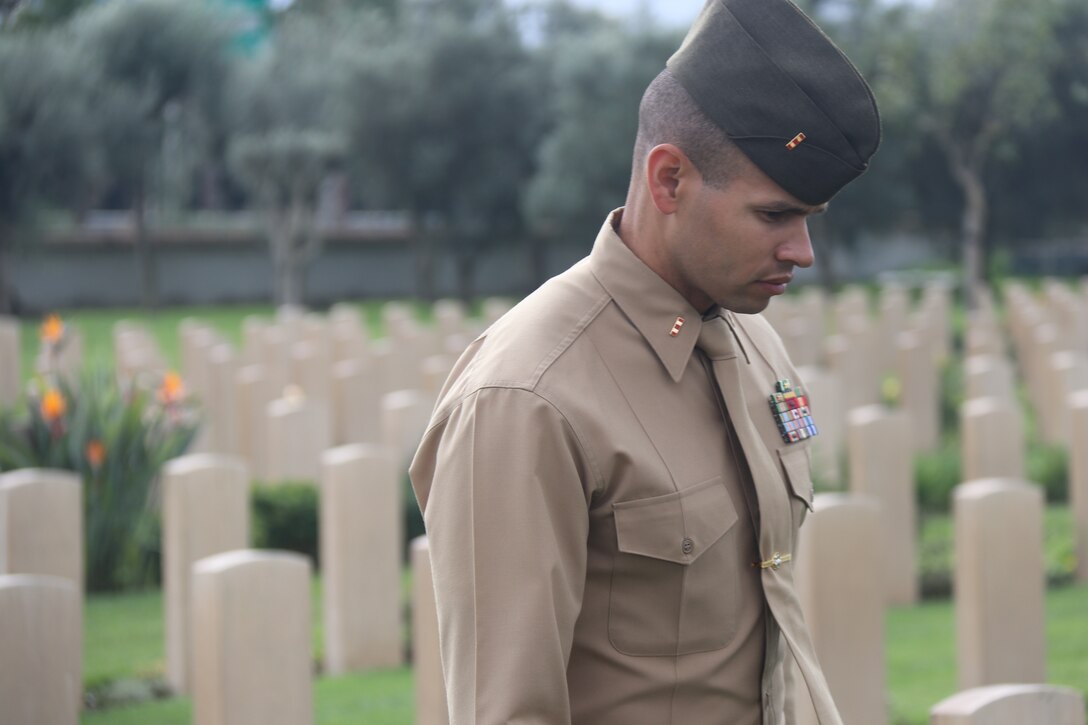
{"points": [[298, 433], [920, 378], [205, 511], [881, 465], [360, 529], [999, 582], [1011, 705], [252, 661], [840, 547], [1078, 479], [41, 523], [405, 415], [992, 439], [431, 703], [41, 663]]}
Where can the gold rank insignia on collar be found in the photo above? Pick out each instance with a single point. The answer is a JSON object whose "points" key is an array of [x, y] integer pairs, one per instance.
{"points": [[790, 410]]}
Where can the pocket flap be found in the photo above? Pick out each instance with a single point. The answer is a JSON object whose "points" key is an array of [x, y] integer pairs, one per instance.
{"points": [[676, 527], [798, 473]]}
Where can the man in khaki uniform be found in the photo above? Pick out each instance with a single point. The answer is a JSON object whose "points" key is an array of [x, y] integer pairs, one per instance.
{"points": [[615, 472]]}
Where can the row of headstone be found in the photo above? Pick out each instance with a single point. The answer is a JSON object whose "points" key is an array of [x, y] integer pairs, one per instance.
{"points": [[237, 621], [847, 352], [206, 513], [999, 606], [1051, 346], [41, 597], [303, 383]]}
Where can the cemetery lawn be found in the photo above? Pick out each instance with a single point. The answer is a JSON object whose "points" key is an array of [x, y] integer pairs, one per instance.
{"points": [[124, 646]]}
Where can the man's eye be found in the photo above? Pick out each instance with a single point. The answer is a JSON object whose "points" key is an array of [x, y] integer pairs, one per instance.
{"points": [[774, 217]]}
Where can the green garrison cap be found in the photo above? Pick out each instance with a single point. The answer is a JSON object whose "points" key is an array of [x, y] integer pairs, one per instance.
{"points": [[783, 92]]}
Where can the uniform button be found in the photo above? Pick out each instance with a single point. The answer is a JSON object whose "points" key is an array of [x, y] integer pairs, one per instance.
{"points": [[687, 546]]}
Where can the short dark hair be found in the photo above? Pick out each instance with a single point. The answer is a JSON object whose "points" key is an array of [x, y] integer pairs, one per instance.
{"points": [[668, 114]]}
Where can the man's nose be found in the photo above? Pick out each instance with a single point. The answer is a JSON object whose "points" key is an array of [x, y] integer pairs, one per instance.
{"points": [[798, 249]]}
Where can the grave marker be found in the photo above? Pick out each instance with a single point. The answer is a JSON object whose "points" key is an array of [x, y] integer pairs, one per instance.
{"points": [[360, 530], [41, 523], [251, 639], [41, 670], [882, 465], [844, 612], [992, 439], [431, 703], [999, 582], [1011, 705], [205, 511]]}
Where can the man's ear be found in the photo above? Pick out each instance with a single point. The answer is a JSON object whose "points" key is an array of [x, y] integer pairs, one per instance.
{"points": [[668, 171]]}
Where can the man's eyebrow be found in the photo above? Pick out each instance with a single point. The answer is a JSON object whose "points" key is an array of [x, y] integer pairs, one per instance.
{"points": [[791, 208]]}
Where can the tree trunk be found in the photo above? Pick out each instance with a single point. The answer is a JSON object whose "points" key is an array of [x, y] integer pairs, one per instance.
{"points": [[466, 271], [290, 283], [965, 163], [145, 257], [973, 227], [538, 258], [7, 295], [423, 244]]}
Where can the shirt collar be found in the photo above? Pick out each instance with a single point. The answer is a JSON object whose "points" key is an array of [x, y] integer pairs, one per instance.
{"points": [[649, 302]]}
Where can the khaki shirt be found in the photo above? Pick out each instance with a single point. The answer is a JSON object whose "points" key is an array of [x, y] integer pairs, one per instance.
{"points": [[591, 517]]}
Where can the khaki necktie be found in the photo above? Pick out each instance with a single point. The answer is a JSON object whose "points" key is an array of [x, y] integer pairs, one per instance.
{"points": [[776, 528]]}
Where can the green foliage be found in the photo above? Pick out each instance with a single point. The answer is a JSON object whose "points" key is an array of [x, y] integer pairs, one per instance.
{"points": [[1048, 466], [117, 437], [285, 517], [935, 475], [595, 83], [48, 123]]}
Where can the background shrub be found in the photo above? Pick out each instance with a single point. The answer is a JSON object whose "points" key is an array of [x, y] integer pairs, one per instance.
{"points": [[117, 436], [285, 517]]}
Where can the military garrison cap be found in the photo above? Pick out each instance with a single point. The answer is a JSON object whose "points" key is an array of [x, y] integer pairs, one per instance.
{"points": [[783, 92]]}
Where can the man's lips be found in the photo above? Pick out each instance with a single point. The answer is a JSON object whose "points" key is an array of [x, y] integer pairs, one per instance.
{"points": [[776, 285]]}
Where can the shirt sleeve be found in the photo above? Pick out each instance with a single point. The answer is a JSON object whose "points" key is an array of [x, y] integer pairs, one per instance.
{"points": [[504, 490]]}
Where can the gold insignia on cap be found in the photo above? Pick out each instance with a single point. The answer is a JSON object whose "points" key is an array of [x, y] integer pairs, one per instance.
{"points": [[795, 142], [676, 327]]}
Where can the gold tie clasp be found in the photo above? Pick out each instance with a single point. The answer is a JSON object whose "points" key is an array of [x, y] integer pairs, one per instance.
{"points": [[775, 561]]}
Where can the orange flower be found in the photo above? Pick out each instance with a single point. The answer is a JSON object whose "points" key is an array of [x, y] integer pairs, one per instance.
{"points": [[52, 329], [172, 389], [96, 453], [53, 406]]}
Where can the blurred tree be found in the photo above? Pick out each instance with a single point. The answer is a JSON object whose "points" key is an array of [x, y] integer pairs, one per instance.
{"points": [[1041, 178], [22, 15], [596, 81], [49, 121], [444, 126], [883, 197], [284, 170], [333, 7], [171, 60], [286, 106], [974, 73]]}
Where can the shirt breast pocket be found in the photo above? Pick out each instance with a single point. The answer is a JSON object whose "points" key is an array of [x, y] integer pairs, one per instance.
{"points": [[671, 590]]}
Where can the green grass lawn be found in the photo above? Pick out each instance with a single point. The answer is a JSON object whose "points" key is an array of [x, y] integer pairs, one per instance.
{"points": [[124, 641]]}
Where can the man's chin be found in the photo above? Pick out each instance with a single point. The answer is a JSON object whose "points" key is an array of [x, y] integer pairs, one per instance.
{"points": [[746, 307]]}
